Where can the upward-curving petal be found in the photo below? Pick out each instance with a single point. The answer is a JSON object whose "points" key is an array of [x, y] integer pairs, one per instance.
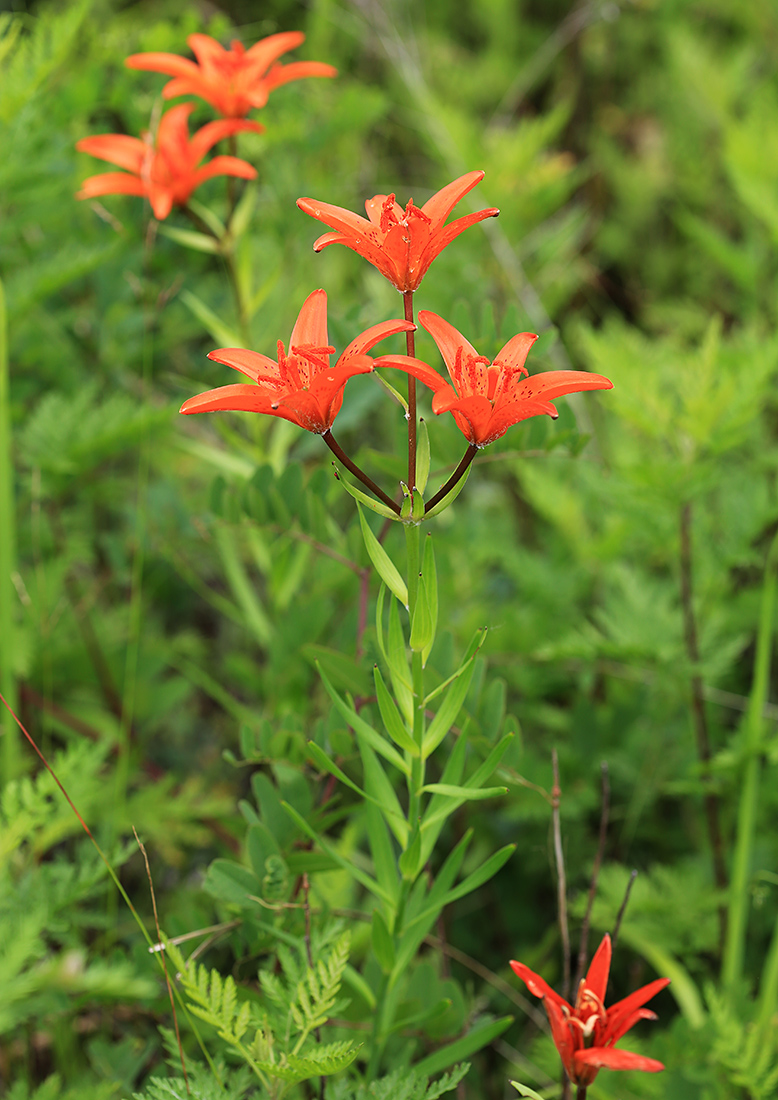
{"points": [[207, 50], [119, 149], [311, 326], [557, 383], [610, 1058], [621, 1010], [448, 339], [224, 166], [371, 336], [344, 221], [239, 397], [267, 50], [207, 136], [514, 353], [596, 978], [535, 984], [443, 202], [111, 183], [251, 363], [448, 233], [170, 63], [295, 70]]}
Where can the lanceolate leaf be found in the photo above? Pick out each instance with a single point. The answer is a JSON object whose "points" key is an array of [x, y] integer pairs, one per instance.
{"points": [[381, 792], [449, 709], [346, 864], [363, 498], [365, 731], [390, 716], [385, 567], [466, 793], [475, 1039]]}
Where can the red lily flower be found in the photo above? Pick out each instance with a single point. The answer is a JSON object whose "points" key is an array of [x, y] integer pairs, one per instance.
{"points": [[165, 172], [585, 1033], [400, 243], [233, 81], [486, 398], [299, 386]]}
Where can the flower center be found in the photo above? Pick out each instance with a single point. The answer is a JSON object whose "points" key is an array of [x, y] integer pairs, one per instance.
{"points": [[389, 216]]}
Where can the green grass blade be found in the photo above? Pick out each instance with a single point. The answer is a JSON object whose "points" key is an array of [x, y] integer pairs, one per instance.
{"points": [[10, 748]]}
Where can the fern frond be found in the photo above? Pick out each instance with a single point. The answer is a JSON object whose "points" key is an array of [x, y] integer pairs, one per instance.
{"points": [[317, 992]]}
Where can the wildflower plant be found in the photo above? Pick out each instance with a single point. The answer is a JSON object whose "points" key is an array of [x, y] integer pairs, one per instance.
{"points": [[414, 765]]}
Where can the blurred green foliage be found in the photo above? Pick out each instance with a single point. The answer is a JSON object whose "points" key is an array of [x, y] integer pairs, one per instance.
{"points": [[176, 582]]}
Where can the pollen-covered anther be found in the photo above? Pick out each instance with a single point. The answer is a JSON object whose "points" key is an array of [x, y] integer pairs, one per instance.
{"points": [[412, 211], [318, 355], [388, 216]]}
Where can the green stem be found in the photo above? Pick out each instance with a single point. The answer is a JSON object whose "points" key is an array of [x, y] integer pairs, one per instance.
{"points": [[768, 991], [410, 347], [8, 687], [734, 948], [459, 473], [339, 453]]}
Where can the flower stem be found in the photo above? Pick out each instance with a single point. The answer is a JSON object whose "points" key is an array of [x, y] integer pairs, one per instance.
{"points": [[581, 1093], [410, 345], [339, 453], [10, 749], [460, 471], [702, 735]]}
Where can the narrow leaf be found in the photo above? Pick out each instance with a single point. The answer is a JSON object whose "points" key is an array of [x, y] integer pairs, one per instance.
{"points": [[390, 716], [421, 627], [381, 792], [449, 709], [467, 793], [383, 943], [384, 565], [345, 864], [476, 1038], [450, 497], [363, 498], [363, 730], [214, 325], [397, 660], [190, 238]]}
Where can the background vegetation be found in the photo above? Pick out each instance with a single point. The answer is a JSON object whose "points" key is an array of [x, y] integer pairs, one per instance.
{"points": [[175, 581]]}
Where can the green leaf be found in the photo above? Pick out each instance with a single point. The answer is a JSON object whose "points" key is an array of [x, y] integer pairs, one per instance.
{"points": [[381, 792], [449, 709], [422, 632], [397, 660], [410, 860], [383, 942], [214, 223], [449, 498], [467, 793], [319, 757], [475, 1039], [482, 874], [390, 716], [363, 498], [239, 222], [525, 1090], [430, 574], [190, 238], [422, 455], [213, 324], [363, 730], [382, 851], [345, 864], [344, 671], [387, 570], [476, 642]]}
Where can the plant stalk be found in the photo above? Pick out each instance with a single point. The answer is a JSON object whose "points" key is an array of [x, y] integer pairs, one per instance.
{"points": [[460, 471], [699, 716], [340, 454], [410, 345], [8, 686], [734, 947]]}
